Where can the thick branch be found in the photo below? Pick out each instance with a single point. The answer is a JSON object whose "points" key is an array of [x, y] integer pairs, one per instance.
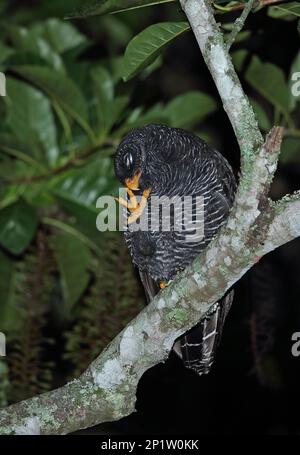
{"points": [[214, 50], [285, 225], [107, 390]]}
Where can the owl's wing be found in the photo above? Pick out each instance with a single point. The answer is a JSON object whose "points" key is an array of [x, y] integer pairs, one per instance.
{"points": [[151, 286], [225, 177]]}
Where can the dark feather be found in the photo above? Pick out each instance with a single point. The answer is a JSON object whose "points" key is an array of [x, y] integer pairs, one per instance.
{"points": [[150, 286], [199, 345]]}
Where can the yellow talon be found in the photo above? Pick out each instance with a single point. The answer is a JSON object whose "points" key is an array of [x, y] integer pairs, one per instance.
{"points": [[138, 210], [133, 200], [133, 205], [163, 284], [121, 201]]}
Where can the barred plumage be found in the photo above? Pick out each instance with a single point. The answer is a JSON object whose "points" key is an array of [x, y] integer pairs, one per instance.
{"points": [[173, 162]]}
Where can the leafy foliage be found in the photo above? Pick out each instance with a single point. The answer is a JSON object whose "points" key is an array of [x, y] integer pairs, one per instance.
{"points": [[285, 11], [31, 119], [189, 108], [61, 89], [18, 223], [73, 259], [106, 309], [147, 45], [269, 80], [30, 372], [115, 6]]}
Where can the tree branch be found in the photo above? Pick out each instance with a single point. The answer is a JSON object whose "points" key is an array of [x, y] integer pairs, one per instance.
{"points": [[285, 225], [214, 50], [75, 160], [256, 226]]}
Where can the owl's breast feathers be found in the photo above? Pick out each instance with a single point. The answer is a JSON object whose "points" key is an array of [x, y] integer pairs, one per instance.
{"points": [[204, 181]]}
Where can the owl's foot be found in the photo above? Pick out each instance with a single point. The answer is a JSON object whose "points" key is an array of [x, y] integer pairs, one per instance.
{"points": [[138, 207], [164, 284], [133, 205]]}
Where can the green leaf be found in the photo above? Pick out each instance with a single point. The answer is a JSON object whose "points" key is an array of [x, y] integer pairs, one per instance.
{"points": [[103, 82], [26, 40], [18, 224], [115, 66], [24, 58], [238, 58], [270, 82], [139, 118], [262, 117], [108, 108], [83, 186], [119, 105], [285, 10], [7, 294], [241, 36], [73, 259], [5, 52], [190, 108], [152, 67], [145, 47], [73, 228], [11, 146], [113, 6], [62, 36], [78, 190], [60, 88], [104, 94], [31, 119], [119, 32]]}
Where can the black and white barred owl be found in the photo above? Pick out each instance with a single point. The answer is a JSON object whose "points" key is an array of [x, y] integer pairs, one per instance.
{"points": [[157, 160]]}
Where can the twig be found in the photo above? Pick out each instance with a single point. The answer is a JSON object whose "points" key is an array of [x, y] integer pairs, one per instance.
{"points": [[239, 23], [236, 104], [59, 170]]}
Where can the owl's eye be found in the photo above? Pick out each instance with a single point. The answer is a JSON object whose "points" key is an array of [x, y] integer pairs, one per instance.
{"points": [[128, 160]]}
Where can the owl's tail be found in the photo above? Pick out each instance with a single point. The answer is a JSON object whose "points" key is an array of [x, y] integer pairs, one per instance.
{"points": [[198, 346]]}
